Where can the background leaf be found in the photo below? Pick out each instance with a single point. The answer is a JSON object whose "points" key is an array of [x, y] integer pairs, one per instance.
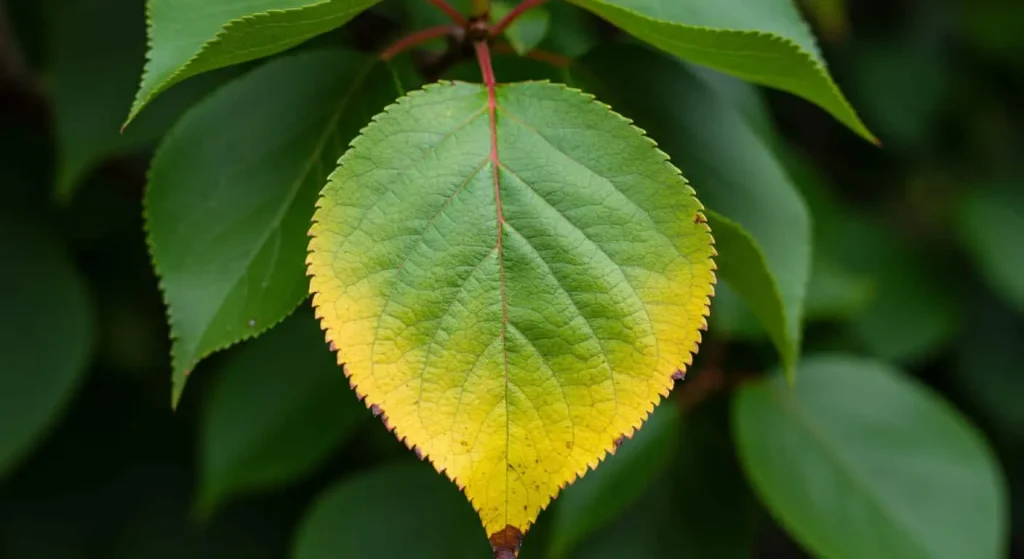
{"points": [[45, 335], [488, 305], [528, 30], [390, 512], [98, 47], [279, 406], [733, 170], [766, 42], [600, 496], [232, 190], [857, 460], [991, 224], [188, 37]]}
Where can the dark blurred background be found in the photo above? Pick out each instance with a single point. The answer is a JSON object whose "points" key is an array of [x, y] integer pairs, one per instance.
{"points": [[919, 261]]}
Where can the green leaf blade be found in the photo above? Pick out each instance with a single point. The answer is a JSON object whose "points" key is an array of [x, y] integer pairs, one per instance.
{"points": [[46, 335], [765, 42], [763, 221], [358, 516], [513, 294], [274, 413], [189, 37], [232, 190], [857, 460]]}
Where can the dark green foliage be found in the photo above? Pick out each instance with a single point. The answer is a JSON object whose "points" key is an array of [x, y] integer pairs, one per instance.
{"points": [[858, 393]]}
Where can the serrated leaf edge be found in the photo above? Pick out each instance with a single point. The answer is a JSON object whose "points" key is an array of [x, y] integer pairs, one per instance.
{"points": [[176, 360], [141, 100], [611, 446], [855, 123]]}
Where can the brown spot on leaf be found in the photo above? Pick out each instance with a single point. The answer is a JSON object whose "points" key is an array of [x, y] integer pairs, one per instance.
{"points": [[376, 411], [679, 375], [619, 441], [568, 445], [506, 543], [699, 218]]}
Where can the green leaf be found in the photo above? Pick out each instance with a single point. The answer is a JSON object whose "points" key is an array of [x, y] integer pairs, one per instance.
{"points": [[528, 30], [600, 497], [761, 226], [189, 37], [858, 460], [278, 408], [714, 512], [513, 275], [991, 225], [98, 46], [391, 512], [765, 42], [232, 190], [45, 336], [988, 367]]}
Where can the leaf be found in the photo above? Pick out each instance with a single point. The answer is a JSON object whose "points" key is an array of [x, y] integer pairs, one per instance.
{"points": [[511, 318], [390, 512], [714, 511], [277, 410], [988, 364], [189, 37], [764, 226], [857, 460], [528, 30], [232, 189], [991, 225], [742, 264], [599, 498], [98, 46], [45, 336], [765, 42]]}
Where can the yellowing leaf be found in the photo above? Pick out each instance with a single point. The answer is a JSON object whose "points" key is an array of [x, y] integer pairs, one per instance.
{"points": [[513, 292]]}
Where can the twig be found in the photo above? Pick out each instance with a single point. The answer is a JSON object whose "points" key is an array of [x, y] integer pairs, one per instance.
{"points": [[547, 57]]}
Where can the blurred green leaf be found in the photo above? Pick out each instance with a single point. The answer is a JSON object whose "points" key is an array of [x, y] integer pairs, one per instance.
{"points": [[901, 87], [742, 265], [528, 30], [189, 37], [644, 531], [279, 407], [232, 190], [98, 46], [766, 42], [392, 511], [714, 512], [858, 460], [991, 225], [734, 172], [914, 312], [602, 494], [45, 335], [988, 367], [575, 30]]}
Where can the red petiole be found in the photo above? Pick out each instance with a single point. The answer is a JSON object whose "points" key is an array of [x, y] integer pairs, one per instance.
{"points": [[418, 38], [449, 11]]}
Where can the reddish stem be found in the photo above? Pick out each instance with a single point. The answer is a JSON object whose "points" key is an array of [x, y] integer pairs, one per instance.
{"points": [[417, 38], [547, 57], [511, 17], [449, 11]]}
